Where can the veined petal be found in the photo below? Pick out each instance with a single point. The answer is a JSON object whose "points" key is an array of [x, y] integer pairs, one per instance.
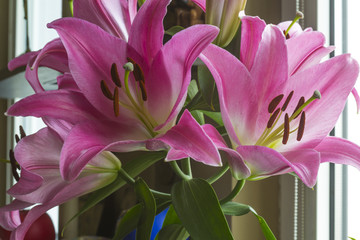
{"points": [[201, 4], [91, 52], [340, 151], [301, 47], [61, 104], [66, 82], [21, 60], [264, 162], [148, 24], [251, 32], [9, 214], [169, 76], [111, 15], [357, 98], [335, 79], [88, 139], [188, 137]]}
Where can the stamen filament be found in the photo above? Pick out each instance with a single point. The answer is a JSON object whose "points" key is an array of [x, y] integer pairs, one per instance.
{"points": [[299, 15]]}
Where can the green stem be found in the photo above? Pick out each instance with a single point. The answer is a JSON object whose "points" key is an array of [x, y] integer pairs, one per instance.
{"points": [[4, 160], [186, 166], [239, 185], [218, 175], [178, 171], [161, 195], [126, 177]]}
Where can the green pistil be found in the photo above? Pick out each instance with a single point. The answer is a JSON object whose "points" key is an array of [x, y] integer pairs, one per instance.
{"points": [[299, 15]]}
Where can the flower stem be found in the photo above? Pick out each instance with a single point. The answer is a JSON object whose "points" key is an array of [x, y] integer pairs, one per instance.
{"points": [[178, 171], [239, 185], [126, 177], [186, 166], [218, 175]]}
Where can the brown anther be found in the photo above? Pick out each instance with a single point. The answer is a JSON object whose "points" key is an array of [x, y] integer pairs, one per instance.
{"points": [[274, 103], [116, 102], [287, 36], [286, 103], [17, 138], [286, 129], [105, 90], [14, 165], [301, 129], [300, 103], [22, 132], [115, 75], [143, 90], [273, 118]]}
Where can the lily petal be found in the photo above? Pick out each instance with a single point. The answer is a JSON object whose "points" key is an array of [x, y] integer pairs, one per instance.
{"points": [[177, 56], [251, 32], [190, 138], [340, 151], [88, 139], [61, 104], [201, 4], [148, 24]]}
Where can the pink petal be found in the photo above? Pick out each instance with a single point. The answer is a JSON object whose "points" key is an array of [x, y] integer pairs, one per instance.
{"points": [[169, 76], [148, 24], [251, 32], [201, 4], [188, 136], [295, 30], [65, 105], [66, 82], [334, 79], [21, 60], [301, 47], [357, 99], [111, 15], [340, 151], [91, 52], [88, 139], [28, 183]]}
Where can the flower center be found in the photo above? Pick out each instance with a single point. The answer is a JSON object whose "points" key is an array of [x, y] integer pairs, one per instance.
{"points": [[135, 98], [271, 135]]}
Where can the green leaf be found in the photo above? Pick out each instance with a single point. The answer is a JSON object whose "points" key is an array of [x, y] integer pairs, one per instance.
{"points": [[139, 162], [141, 2], [128, 222], [198, 208], [264, 226], [192, 91], [172, 232], [174, 30], [216, 116], [149, 210], [235, 209], [171, 217], [199, 116], [207, 87]]}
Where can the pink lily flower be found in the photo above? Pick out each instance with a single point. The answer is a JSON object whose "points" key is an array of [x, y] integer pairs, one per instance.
{"points": [[279, 103], [150, 98], [41, 183]]}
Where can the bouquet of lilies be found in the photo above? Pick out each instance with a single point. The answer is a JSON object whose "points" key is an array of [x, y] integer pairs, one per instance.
{"points": [[123, 89]]}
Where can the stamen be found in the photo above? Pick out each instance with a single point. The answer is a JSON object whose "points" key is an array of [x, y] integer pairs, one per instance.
{"points": [[299, 15], [14, 165], [17, 138], [317, 94], [273, 118], [115, 75], [300, 103], [275, 102], [286, 103], [105, 90], [143, 90], [286, 129], [128, 67], [301, 129], [22, 132], [116, 102]]}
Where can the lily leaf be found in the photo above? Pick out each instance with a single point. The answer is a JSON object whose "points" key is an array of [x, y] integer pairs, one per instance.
{"points": [[173, 232], [149, 210], [199, 116], [129, 222], [264, 226], [174, 30], [207, 87], [198, 208], [171, 217], [216, 116], [141, 2], [139, 162], [235, 209]]}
